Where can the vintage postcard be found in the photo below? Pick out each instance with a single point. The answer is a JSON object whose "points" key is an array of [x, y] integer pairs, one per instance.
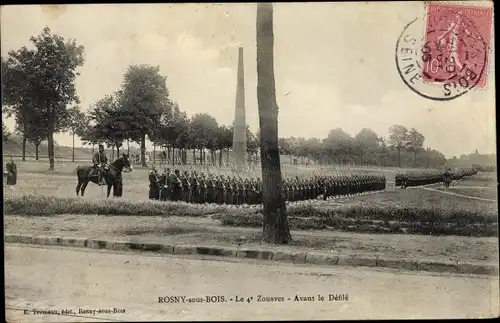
{"points": [[251, 161]]}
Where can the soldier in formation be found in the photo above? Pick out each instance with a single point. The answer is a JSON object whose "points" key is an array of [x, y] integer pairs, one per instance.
{"points": [[415, 178], [191, 187]]}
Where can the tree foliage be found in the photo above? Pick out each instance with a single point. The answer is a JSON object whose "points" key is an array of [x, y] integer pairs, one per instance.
{"points": [[144, 99], [5, 133], [41, 80]]}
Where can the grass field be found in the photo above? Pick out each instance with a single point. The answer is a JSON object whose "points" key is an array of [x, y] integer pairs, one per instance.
{"points": [[43, 193], [34, 178]]}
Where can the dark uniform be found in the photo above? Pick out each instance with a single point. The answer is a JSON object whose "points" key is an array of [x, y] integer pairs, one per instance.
{"points": [[176, 186], [154, 185], [11, 169], [186, 187], [100, 164], [211, 192], [203, 189], [195, 188]]}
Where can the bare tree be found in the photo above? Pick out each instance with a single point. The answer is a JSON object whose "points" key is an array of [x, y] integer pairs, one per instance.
{"points": [[276, 229]]}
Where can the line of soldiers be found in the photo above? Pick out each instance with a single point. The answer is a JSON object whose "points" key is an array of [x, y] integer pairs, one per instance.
{"points": [[192, 187], [432, 177]]}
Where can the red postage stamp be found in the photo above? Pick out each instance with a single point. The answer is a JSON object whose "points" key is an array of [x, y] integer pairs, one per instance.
{"points": [[457, 43]]}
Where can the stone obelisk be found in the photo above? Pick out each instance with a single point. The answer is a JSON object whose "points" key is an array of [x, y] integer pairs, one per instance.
{"points": [[240, 124]]}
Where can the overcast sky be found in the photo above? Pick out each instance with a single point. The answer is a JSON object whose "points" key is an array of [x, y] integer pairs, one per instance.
{"points": [[335, 61]]}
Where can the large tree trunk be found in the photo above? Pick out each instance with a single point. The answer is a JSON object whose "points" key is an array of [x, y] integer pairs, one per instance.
{"points": [[50, 145], [37, 146], [276, 229], [143, 150], [73, 153], [24, 147], [154, 153], [128, 147], [399, 156]]}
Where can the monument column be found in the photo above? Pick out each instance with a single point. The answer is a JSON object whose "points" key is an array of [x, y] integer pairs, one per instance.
{"points": [[240, 124]]}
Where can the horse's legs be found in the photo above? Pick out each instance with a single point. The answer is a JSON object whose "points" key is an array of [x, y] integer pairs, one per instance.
{"points": [[84, 186], [78, 187], [109, 190]]}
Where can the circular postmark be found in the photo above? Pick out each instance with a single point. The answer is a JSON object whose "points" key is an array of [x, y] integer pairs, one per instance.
{"points": [[441, 58]]}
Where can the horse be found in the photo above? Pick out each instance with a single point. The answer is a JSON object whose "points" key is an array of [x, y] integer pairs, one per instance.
{"points": [[112, 176]]}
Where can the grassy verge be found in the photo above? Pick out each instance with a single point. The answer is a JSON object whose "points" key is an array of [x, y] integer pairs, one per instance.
{"points": [[38, 205], [354, 214], [205, 231]]}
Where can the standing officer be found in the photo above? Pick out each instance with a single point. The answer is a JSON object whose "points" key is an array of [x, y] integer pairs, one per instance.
{"points": [[11, 169], [154, 185]]}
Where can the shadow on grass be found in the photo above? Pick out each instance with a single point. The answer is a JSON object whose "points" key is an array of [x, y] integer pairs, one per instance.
{"points": [[155, 231]]}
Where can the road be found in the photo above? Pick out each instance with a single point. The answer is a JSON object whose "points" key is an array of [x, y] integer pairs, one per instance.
{"points": [[53, 278]]}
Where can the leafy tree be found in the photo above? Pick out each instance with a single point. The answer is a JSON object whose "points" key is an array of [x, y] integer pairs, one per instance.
{"points": [[275, 228], [285, 146], [366, 142], [34, 129], [225, 141], [338, 144], [252, 142], [5, 133], [144, 98], [313, 147], [42, 78], [110, 121], [398, 134], [204, 132], [417, 142], [76, 121]]}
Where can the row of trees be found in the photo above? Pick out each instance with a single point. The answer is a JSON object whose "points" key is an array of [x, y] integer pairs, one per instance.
{"points": [[110, 122], [38, 86], [403, 147]]}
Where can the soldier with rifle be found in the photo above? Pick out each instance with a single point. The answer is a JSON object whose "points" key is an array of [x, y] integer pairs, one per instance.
{"points": [[228, 198], [211, 192], [176, 186], [186, 187], [163, 195], [202, 188], [195, 188], [221, 190]]}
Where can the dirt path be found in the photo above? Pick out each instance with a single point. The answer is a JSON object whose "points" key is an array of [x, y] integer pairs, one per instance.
{"points": [[460, 195]]}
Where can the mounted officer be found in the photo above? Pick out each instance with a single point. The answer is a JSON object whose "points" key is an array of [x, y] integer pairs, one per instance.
{"points": [[100, 164]]}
